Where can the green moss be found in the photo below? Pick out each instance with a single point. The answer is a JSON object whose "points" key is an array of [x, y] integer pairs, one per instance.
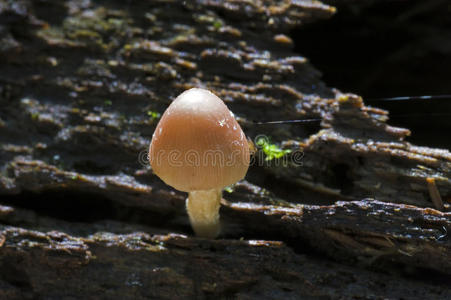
{"points": [[217, 24], [153, 115], [34, 116], [85, 34], [98, 29], [229, 189], [271, 151], [115, 23], [210, 19], [108, 102]]}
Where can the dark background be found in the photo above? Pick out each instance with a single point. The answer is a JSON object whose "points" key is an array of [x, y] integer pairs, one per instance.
{"points": [[381, 49]]}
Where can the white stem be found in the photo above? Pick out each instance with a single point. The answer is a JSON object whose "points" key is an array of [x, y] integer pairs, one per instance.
{"points": [[203, 211]]}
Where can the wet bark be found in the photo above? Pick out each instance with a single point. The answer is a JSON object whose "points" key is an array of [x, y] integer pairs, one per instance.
{"points": [[350, 209]]}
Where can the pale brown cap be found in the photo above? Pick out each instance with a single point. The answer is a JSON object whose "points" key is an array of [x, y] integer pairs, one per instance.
{"points": [[198, 144]]}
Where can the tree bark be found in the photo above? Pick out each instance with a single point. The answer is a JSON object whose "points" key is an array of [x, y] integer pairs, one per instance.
{"points": [[351, 210]]}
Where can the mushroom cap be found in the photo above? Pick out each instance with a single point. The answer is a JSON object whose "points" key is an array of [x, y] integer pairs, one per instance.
{"points": [[198, 144]]}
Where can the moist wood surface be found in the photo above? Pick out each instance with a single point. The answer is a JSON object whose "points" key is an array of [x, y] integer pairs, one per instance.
{"points": [[346, 214]]}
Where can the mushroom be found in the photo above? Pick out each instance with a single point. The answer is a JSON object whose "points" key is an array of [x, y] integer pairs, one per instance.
{"points": [[198, 147]]}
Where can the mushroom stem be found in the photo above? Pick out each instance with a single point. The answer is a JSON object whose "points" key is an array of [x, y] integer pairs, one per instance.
{"points": [[203, 212]]}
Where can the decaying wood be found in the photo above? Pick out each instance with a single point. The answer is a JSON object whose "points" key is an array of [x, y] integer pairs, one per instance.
{"points": [[367, 231], [435, 194], [178, 267], [82, 214]]}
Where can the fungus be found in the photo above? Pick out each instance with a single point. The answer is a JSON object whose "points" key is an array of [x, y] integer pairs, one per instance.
{"points": [[198, 147]]}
